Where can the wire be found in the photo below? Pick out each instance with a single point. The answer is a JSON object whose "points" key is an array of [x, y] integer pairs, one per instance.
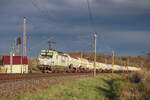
{"points": [[39, 44], [91, 18], [90, 12], [43, 11]]}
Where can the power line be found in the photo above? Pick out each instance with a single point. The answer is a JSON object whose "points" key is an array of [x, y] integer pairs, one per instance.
{"points": [[43, 11], [91, 19], [40, 43], [90, 12]]}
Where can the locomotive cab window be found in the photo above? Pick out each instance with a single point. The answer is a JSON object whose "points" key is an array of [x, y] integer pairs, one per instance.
{"points": [[43, 54], [50, 54]]}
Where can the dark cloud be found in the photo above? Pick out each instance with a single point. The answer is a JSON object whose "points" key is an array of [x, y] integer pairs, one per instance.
{"points": [[122, 25]]}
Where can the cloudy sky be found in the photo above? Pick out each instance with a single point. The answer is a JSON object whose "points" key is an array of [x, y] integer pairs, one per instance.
{"points": [[122, 25]]}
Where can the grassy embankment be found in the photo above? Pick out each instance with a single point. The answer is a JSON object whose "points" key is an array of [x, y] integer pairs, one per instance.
{"points": [[97, 88], [134, 86]]}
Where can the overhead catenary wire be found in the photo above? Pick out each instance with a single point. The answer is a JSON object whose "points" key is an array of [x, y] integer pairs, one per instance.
{"points": [[30, 36], [42, 10], [91, 17], [91, 20], [90, 12], [84, 38], [41, 43]]}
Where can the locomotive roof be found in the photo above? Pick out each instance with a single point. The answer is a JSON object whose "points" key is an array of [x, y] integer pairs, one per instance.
{"points": [[44, 50], [61, 53]]}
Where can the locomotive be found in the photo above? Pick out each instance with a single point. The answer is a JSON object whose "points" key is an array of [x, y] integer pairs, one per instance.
{"points": [[54, 61]]}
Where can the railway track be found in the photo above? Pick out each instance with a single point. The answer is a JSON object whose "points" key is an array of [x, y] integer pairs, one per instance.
{"points": [[6, 77], [15, 77]]}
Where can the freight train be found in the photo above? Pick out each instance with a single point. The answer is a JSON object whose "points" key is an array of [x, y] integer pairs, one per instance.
{"points": [[53, 61]]}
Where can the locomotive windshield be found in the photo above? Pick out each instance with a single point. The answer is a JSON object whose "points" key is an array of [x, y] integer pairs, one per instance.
{"points": [[47, 54], [43, 54], [50, 54]]}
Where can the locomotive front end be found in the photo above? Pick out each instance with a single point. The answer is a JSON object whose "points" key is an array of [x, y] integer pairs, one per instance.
{"points": [[46, 60]]}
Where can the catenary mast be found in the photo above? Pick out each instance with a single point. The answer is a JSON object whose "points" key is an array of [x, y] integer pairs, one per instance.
{"points": [[24, 38]]}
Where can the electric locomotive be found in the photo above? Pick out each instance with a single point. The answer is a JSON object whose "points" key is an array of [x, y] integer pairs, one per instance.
{"points": [[52, 60]]}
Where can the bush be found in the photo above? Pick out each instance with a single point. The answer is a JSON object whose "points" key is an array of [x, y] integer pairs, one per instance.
{"points": [[136, 87], [124, 91], [135, 78]]}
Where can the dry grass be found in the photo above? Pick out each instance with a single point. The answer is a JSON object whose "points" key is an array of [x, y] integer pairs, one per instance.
{"points": [[135, 87]]}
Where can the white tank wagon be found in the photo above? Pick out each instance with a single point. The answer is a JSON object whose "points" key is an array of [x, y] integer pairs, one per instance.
{"points": [[54, 61], [130, 68], [75, 62], [90, 65], [85, 65], [102, 67]]}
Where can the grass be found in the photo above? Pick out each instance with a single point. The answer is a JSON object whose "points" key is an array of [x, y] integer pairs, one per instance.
{"points": [[97, 88], [135, 87]]}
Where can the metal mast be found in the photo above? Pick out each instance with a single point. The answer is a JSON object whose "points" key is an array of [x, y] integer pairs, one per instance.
{"points": [[95, 35], [113, 59], [24, 38]]}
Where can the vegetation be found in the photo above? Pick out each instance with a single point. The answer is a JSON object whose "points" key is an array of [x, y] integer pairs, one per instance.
{"points": [[86, 89], [147, 60], [134, 87]]}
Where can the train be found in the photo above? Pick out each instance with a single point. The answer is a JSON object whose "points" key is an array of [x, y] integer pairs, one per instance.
{"points": [[51, 61]]}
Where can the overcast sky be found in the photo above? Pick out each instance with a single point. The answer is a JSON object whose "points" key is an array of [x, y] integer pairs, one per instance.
{"points": [[122, 25]]}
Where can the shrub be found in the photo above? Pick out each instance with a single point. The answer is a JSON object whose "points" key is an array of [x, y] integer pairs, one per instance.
{"points": [[135, 78], [136, 87], [124, 91]]}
